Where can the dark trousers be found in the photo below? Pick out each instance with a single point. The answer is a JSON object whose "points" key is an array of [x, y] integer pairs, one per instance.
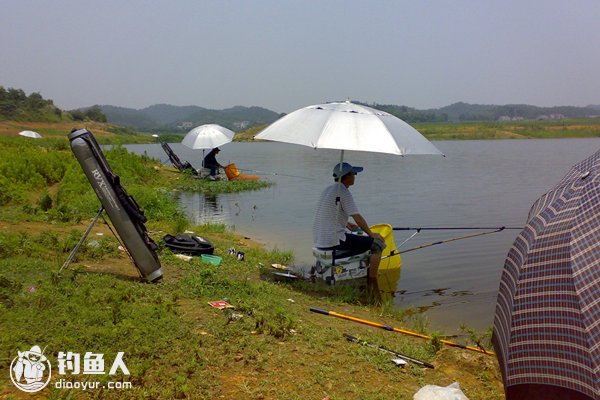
{"points": [[355, 244], [214, 169]]}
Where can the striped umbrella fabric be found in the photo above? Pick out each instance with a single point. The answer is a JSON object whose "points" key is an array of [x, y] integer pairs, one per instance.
{"points": [[547, 320]]}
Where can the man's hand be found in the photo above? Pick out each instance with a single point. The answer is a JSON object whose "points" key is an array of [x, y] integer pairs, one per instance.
{"points": [[351, 226], [376, 235]]}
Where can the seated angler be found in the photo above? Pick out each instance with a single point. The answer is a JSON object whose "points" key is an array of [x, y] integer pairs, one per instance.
{"points": [[329, 229], [210, 162]]}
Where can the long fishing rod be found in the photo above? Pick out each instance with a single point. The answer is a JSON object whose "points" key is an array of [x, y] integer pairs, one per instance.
{"points": [[501, 228], [377, 346], [449, 240], [273, 173], [398, 330]]}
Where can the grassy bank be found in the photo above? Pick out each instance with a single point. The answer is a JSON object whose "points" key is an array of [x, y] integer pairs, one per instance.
{"points": [[177, 346], [566, 128], [104, 133], [547, 129]]}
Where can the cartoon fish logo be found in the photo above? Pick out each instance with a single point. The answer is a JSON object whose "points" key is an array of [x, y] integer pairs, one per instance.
{"points": [[29, 368]]}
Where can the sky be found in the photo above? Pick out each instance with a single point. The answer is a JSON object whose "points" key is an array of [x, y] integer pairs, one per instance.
{"points": [[286, 54]]}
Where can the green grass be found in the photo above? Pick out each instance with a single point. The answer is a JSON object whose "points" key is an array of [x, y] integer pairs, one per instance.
{"points": [[175, 344]]}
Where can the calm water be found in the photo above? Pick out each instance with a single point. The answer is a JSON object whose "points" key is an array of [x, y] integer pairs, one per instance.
{"points": [[478, 183]]}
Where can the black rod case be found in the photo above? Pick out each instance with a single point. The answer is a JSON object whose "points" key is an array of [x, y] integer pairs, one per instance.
{"points": [[125, 214]]}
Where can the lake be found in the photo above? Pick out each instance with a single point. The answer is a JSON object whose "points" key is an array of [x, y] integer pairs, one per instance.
{"points": [[478, 184]]}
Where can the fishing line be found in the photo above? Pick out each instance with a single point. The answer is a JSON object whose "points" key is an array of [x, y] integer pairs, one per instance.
{"points": [[274, 173], [407, 239], [450, 240]]}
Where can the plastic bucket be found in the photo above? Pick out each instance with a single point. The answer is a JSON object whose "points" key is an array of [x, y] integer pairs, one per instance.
{"points": [[231, 171], [387, 232]]}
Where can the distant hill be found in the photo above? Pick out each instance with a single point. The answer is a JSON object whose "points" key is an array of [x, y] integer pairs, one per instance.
{"points": [[165, 117], [465, 112], [478, 112], [169, 118]]}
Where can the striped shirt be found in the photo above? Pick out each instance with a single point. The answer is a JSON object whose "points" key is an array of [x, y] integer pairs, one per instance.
{"points": [[327, 232]]}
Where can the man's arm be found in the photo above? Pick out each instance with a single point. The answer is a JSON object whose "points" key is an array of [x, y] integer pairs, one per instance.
{"points": [[362, 224]]}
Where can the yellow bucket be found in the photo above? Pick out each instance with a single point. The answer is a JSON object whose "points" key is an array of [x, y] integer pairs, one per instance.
{"points": [[231, 171], [387, 232]]}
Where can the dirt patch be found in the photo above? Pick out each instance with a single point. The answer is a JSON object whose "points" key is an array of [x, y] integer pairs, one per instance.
{"points": [[122, 268], [36, 228]]}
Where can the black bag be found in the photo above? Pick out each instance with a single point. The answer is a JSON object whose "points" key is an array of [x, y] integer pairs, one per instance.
{"points": [[189, 245]]}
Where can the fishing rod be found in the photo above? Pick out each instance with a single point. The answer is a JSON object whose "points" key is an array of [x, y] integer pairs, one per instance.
{"points": [[501, 228], [273, 173], [377, 346], [449, 240], [398, 330]]}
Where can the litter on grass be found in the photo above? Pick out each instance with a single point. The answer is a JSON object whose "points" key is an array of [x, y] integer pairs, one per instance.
{"points": [[433, 392], [183, 257], [220, 304]]}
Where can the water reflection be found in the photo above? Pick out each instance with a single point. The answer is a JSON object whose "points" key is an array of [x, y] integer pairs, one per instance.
{"points": [[211, 204], [387, 282], [204, 208]]}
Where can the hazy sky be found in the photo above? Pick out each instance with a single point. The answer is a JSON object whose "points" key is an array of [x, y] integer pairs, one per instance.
{"points": [[284, 55]]}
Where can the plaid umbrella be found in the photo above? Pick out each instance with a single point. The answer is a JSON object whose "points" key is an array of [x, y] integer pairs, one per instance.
{"points": [[547, 321]]}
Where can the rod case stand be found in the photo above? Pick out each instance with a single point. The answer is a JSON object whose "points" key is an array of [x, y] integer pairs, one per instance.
{"points": [[73, 253]]}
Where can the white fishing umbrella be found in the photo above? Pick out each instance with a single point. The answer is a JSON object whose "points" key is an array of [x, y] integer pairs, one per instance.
{"points": [[348, 126], [207, 137], [30, 134]]}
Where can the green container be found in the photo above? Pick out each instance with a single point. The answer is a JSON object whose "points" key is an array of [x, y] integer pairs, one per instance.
{"points": [[210, 259]]}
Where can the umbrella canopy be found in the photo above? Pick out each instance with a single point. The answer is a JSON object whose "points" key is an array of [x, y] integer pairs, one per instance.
{"points": [[30, 134], [547, 320], [348, 126], [207, 137]]}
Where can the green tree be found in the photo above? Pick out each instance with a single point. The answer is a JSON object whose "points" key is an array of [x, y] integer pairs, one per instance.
{"points": [[95, 114]]}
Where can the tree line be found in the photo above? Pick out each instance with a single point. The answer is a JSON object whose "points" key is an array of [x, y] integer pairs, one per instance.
{"points": [[16, 104]]}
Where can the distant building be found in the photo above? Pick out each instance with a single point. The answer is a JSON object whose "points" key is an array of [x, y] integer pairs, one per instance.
{"points": [[241, 124], [556, 116], [186, 125]]}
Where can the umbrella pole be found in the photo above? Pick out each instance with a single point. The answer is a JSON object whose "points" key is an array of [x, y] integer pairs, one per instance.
{"points": [[338, 206]]}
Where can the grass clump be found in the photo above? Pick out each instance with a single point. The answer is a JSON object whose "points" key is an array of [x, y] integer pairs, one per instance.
{"points": [[192, 184]]}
